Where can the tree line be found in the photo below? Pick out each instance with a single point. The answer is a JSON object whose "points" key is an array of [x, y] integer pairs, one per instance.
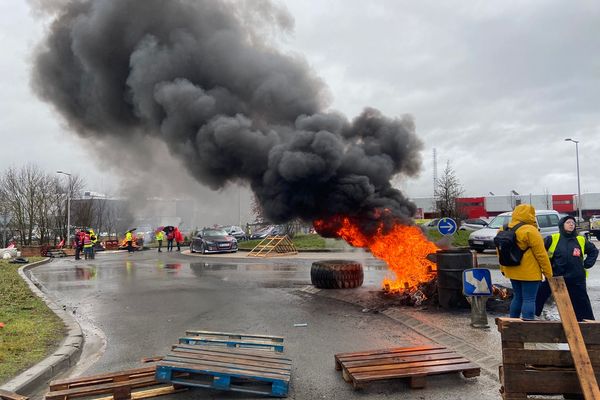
{"points": [[34, 203]]}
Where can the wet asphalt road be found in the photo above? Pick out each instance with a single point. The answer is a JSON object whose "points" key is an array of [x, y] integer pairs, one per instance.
{"points": [[135, 306]]}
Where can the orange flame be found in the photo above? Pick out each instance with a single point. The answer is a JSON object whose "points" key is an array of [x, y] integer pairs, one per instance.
{"points": [[404, 248]]}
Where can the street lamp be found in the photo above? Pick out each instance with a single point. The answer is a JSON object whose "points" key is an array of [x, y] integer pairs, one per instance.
{"points": [[67, 242], [578, 180]]}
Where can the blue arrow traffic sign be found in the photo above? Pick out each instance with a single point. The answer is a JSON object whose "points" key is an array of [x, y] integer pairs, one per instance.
{"points": [[447, 226], [477, 282]]}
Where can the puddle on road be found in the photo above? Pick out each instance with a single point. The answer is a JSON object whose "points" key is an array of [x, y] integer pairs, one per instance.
{"points": [[85, 273]]}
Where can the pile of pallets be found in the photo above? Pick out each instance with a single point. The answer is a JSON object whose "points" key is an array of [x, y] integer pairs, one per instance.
{"points": [[412, 363], [6, 395], [530, 370], [228, 361], [139, 383]]}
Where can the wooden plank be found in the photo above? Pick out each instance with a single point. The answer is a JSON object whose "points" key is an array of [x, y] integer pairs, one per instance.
{"points": [[541, 382], [583, 365], [148, 393], [347, 356], [404, 360], [229, 360], [250, 341], [222, 370], [6, 395], [100, 388], [230, 343], [399, 368], [237, 352], [442, 369], [559, 358], [196, 332], [517, 330], [60, 384], [406, 354], [225, 364]]}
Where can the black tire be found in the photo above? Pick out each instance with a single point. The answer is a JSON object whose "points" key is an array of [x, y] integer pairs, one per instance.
{"points": [[192, 248], [598, 236], [336, 274], [202, 249]]}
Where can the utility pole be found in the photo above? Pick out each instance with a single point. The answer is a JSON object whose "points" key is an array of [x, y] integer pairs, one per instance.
{"points": [[578, 179], [67, 241]]}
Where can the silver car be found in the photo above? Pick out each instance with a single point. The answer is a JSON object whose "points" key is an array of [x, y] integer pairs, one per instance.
{"points": [[547, 221]]}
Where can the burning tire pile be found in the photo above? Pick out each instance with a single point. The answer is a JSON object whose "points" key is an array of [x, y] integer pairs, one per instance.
{"points": [[336, 274]]}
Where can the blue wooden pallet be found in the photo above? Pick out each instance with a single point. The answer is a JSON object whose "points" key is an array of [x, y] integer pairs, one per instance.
{"points": [[239, 343], [223, 368]]}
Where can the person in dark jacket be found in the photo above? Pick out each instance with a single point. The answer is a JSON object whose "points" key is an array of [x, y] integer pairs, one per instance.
{"points": [[570, 256]]}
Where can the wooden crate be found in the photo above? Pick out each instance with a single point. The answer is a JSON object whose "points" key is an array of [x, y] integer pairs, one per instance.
{"points": [[413, 363], [222, 368], [139, 383], [526, 370]]}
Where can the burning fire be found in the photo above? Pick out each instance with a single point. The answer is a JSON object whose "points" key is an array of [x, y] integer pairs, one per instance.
{"points": [[404, 248]]}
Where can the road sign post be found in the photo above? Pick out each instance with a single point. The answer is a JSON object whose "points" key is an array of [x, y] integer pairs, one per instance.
{"points": [[477, 287]]}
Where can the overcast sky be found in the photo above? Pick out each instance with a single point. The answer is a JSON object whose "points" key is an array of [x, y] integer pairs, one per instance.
{"points": [[495, 87]]}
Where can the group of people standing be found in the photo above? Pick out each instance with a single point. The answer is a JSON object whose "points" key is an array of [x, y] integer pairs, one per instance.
{"points": [[563, 254], [173, 234], [85, 240]]}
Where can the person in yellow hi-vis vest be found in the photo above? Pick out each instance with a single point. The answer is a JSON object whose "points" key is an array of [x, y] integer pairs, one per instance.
{"points": [[129, 240], [571, 255], [87, 245], [160, 236], [94, 239]]}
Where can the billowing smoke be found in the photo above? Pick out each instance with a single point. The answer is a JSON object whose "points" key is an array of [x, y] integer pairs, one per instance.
{"points": [[199, 75]]}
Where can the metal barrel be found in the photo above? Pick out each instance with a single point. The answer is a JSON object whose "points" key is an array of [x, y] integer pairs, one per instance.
{"points": [[450, 267]]}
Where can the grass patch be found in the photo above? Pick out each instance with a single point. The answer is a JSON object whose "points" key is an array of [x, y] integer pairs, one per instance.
{"points": [[459, 239], [31, 330], [302, 242]]}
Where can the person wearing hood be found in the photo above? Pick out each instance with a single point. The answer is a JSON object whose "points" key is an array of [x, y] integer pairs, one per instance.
{"points": [[527, 276], [571, 255]]}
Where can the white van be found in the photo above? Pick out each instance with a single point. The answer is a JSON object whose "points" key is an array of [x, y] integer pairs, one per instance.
{"points": [[483, 239]]}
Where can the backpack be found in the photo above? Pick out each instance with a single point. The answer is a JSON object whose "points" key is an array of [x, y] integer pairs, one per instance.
{"points": [[509, 254]]}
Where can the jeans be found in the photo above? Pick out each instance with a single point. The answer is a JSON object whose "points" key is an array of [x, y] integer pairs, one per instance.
{"points": [[523, 302]]}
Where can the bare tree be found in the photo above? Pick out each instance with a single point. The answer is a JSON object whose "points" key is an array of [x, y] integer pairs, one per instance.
{"points": [[448, 189]]}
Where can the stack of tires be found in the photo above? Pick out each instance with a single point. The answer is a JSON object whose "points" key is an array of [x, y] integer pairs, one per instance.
{"points": [[336, 274]]}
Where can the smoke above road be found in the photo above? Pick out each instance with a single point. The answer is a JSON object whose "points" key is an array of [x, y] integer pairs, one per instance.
{"points": [[203, 77]]}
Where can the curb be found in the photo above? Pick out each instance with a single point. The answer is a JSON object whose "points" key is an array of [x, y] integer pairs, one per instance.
{"points": [[66, 355]]}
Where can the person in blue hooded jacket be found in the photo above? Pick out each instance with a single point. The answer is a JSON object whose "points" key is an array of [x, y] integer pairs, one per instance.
{"points": [[571, 255]]}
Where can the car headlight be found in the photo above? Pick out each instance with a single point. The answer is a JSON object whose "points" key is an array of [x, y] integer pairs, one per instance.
{"points": [[210, 243]]}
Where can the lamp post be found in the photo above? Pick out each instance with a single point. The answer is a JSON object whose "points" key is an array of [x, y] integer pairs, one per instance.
{"points": [[68, 207], [578, 180]]}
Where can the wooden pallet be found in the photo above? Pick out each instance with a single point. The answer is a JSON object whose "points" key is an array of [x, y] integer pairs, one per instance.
{"points": [[533, 370], [240, 340], [6, 395], [223, 368], [139, 383], [273, 246], [414, 363]]}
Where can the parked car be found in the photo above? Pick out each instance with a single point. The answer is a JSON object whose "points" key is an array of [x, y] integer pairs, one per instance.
{"points": [[431, 224], [236, 231], [483, 239], [472, 224], [271, 230], [213, 241]]}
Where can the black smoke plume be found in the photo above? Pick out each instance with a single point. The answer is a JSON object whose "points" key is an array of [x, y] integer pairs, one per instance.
{"points": [[200, 76]]}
